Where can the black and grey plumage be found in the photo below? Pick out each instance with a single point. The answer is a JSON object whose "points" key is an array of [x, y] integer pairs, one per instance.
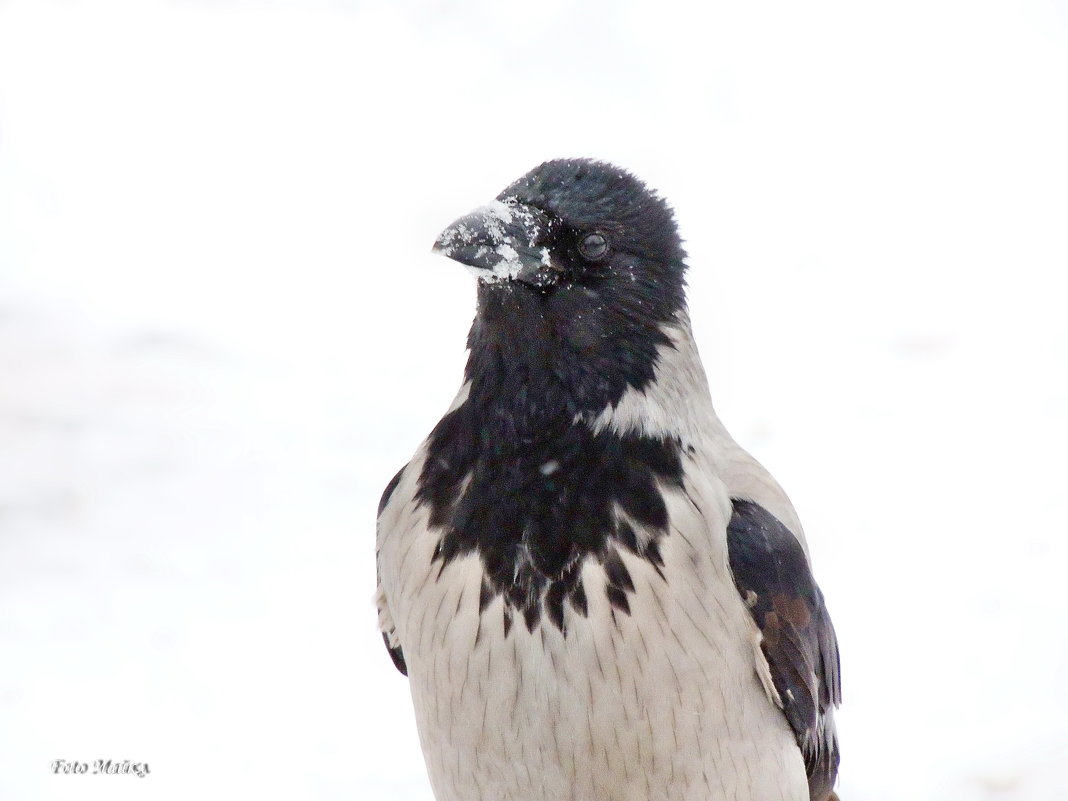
{"points": [[596, 594]]}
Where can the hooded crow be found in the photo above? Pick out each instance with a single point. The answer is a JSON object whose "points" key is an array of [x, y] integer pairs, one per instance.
{"points": [[596, 594]]}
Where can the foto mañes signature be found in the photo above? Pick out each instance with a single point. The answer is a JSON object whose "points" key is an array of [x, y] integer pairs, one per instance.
{"points": [[108, 766]]}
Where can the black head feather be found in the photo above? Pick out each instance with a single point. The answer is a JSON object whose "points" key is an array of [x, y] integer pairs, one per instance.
{"points": [[584, 330], [583, 195], [581, 270]]}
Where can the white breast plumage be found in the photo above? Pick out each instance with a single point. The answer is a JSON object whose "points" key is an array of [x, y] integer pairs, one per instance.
{"points": [[663, 703]]}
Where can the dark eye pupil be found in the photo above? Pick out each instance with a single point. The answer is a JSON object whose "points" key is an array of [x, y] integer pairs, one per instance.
{"points": [[593, 246]]}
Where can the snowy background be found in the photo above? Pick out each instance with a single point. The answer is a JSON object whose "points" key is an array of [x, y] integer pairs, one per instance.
{"points": [[222, 331]]}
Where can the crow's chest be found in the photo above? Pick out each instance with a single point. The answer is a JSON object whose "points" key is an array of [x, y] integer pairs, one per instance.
{"points": [[642, 688], [536, 512]]}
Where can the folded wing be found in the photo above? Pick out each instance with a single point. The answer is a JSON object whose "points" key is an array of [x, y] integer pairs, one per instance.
{"points": [[772, 575]]}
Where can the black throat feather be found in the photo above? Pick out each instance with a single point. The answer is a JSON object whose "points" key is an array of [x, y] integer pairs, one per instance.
{"points": [[514, 473]]}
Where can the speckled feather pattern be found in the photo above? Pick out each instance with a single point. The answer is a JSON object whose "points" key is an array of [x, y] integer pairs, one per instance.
{"points": [[666, 703]]}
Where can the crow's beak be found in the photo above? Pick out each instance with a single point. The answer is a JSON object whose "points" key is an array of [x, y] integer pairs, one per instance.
{"points": [[500, 242]]}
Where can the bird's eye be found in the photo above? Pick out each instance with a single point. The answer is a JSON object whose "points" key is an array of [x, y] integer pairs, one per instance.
{"points": [[593, 247]]}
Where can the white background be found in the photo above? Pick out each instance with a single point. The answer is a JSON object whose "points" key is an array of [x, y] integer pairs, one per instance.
{"points": [[222, 331]]}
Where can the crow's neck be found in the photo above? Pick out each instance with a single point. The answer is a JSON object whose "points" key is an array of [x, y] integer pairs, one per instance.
{"points": [[559, 451], [540, 362]]}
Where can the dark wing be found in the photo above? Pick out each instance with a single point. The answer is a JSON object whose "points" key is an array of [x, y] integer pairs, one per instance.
{"points": [[395, 652], [773, 576]]}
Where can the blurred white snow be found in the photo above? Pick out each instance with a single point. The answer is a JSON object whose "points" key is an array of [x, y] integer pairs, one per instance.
{"points": [[222, 331]]}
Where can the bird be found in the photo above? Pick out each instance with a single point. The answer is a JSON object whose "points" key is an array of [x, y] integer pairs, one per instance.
{"points": [[596, 594]]}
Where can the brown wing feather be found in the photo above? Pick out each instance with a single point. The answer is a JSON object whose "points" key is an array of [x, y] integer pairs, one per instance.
{"points": [[772, 572]]}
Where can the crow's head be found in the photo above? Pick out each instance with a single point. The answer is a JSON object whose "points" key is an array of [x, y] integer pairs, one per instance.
{"points": [[580, 268], [574, 225]]}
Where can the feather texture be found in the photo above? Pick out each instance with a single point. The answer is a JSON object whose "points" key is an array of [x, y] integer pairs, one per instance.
{"points": [[798, 641], [598, 595]]}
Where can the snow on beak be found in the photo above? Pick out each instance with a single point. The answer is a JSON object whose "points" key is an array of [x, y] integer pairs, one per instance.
{"points": [[503, 241]]}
